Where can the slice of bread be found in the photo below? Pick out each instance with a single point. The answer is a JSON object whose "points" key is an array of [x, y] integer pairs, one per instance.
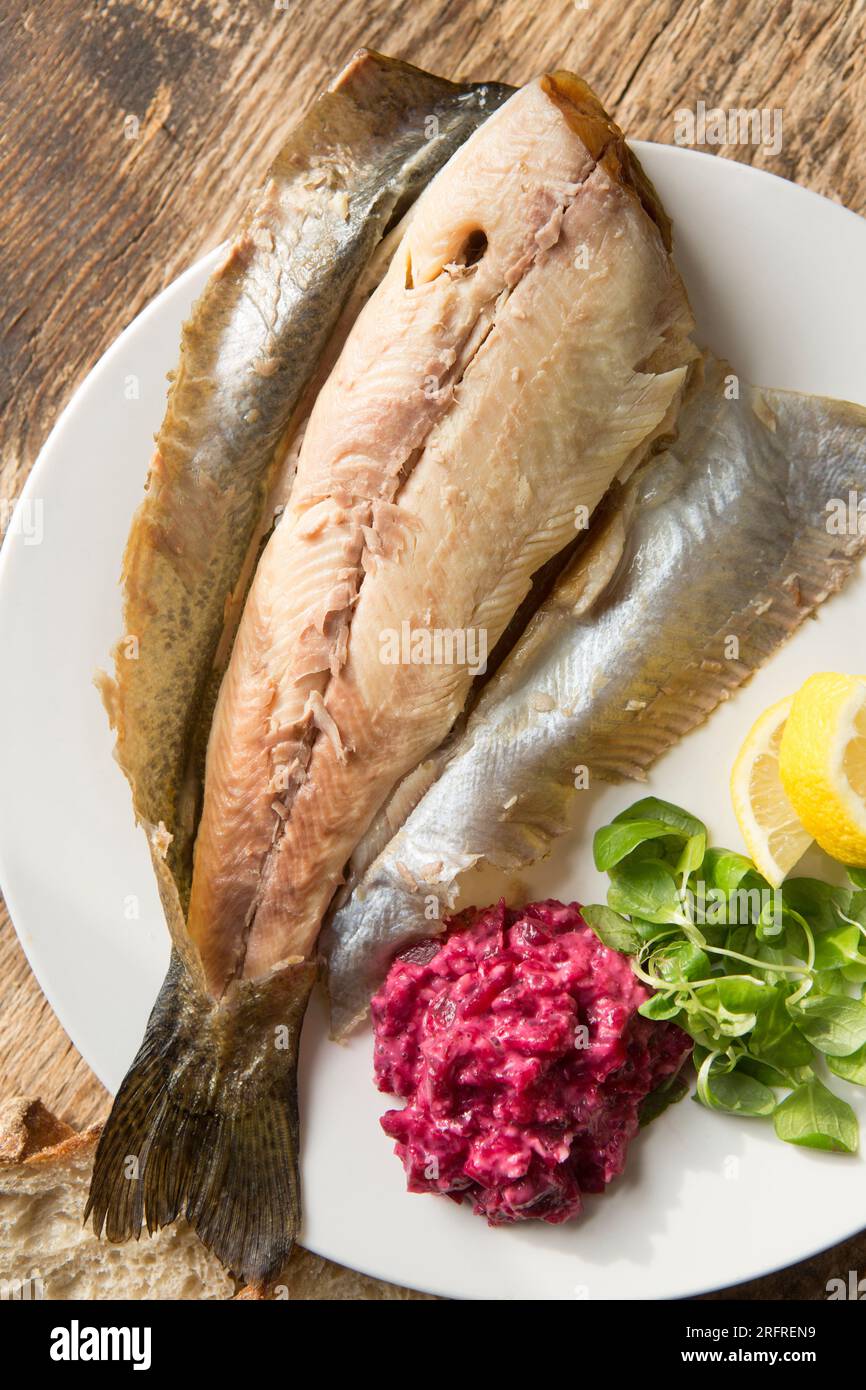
{"points": [[46, 1252]]}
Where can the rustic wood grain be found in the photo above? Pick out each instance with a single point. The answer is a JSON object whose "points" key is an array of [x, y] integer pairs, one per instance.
{"points": [[131, 132]]}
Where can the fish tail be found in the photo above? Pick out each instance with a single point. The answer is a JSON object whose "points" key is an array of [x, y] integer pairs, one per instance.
{"points": [[205, 1123]]}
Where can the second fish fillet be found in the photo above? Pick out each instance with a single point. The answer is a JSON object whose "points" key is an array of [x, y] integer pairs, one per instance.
{"points": [[691, 577]]}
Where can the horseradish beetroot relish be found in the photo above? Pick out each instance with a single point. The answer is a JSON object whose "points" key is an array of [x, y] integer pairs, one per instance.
{"points": [[516, 1043]]}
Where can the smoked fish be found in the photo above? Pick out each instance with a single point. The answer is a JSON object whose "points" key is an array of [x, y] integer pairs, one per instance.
{"points": [[529, 342]]}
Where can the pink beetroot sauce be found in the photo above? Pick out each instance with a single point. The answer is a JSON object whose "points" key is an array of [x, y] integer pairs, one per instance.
{"points": [[517, 1046]]}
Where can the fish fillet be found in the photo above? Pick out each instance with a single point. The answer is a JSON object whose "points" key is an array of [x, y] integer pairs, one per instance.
{"points": [[527, 345], [714, 554], [478, 406]]}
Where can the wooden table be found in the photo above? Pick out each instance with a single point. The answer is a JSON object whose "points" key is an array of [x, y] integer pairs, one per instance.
{"points": [[96, 222]]}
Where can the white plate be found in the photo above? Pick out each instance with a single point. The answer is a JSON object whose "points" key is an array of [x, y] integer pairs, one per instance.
{"points": [[778, 280]]}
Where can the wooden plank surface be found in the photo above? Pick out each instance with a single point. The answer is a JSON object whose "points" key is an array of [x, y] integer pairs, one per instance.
{"points": [[132, 131]]}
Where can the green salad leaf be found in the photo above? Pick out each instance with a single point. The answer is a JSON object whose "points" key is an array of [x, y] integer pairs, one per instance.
{"points": [[839, 947], [668, 1093], [722, 1087], [613, 929], [726, 870], [651, 808], [613, 842], [851, 1068], [660, 1007], [776, 1038], [646, 888], [833, 1023], [811, 1115]]}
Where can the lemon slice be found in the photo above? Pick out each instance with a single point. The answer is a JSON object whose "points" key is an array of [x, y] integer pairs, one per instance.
{"points": [[823, 763], [769, 823]]}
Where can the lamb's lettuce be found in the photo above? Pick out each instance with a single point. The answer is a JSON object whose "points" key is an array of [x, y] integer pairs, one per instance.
{"points": [[770, 985]]}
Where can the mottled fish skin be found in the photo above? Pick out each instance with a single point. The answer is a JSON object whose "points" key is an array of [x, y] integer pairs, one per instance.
{"points": [[353, 164], [724, 534], [534, 289]]}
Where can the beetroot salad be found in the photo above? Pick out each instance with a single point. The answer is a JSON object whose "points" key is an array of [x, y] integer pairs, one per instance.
{"points": [[516, 1043]]}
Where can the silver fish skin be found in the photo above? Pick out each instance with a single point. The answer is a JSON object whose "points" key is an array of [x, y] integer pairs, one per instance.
{"points": [[722, 534]]}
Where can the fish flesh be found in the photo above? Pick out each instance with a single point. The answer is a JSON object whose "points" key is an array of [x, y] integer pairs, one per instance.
{"points": [[349, 169], [528, 344], [309, 737], [713, 554]]}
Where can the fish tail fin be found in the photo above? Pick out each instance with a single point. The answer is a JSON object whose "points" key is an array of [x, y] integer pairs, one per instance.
{"points": [[205, 1123]]}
